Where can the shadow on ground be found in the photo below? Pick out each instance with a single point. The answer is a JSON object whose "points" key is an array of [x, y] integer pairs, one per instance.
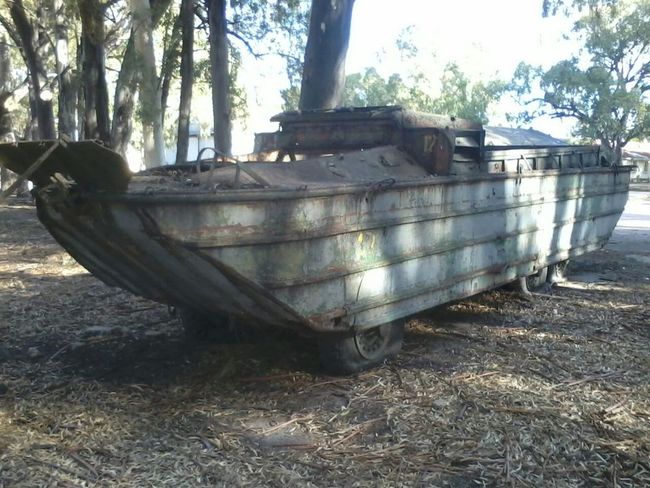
{"points": [[99, 387]]}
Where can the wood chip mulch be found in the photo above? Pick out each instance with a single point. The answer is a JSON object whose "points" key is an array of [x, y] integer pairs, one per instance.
{"points": [[100, 388]]}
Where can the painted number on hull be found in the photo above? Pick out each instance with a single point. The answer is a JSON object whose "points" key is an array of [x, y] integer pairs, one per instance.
{"points": [[429, 142]]}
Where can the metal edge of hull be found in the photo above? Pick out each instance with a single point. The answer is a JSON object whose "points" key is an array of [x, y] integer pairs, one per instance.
{"points": [[239, 223], [265, 194]]}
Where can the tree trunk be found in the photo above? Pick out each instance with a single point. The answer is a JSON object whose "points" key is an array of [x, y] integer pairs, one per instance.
{"points": [[67, 105], [614, 153], [7, 177], [125, 87], [151, 110], [323, 76], [618, 153], [171, 56], [42, 102], [219, 69], [96, 115], [79, 92], [187, 71], [6, 130]]}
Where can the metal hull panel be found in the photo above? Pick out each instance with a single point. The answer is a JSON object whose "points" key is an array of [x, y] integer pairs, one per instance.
{"points": [[349, 257]]}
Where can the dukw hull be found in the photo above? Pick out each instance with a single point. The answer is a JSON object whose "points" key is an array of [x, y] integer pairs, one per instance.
{"points": [[388, 213], [353, 256]]}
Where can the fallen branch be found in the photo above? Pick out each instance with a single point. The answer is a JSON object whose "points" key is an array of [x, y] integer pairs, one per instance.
{"points": [[587, 379], [80, 461], [285, 424]]}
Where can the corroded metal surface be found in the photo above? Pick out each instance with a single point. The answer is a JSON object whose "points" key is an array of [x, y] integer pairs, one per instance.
{"points": [[90, 163], [362, 256], [434, 141], [350, 240]]}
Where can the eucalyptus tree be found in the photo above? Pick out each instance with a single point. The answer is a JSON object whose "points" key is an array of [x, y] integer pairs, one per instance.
{"points": [[220, 72], [10, 96], [186, 18], [459, 96], [6, 90], [93, 73], [60, 13], [148, 83], [170, 36], [606, 87], [127, 82], [261, 28], [30, 37], [323, 75]]}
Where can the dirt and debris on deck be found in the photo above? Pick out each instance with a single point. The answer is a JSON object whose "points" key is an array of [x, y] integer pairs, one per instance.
{"points": [[99, 388]]}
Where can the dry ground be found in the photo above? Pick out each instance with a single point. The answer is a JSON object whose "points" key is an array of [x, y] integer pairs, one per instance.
{"points": [[99, 388]]}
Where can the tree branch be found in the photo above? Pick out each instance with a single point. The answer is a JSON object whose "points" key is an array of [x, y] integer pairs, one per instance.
{"points": [[8, 26], [245, 43], [108, 4]]}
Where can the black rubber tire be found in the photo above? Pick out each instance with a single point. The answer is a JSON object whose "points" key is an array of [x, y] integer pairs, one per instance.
{"points": [[557, 272], [537, 280], [201, 327], [361, 350]]}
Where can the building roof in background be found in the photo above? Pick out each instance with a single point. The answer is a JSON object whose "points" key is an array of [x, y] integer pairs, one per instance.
{"points": [[506, 136], [638, 155]]}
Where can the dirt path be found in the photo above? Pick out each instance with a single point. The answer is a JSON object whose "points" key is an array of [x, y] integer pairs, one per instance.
{"points": [[632, 234], [99, 388]]}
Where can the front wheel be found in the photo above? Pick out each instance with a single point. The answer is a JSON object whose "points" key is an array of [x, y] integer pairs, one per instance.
{"points": [[537, 280], [361, 349]]}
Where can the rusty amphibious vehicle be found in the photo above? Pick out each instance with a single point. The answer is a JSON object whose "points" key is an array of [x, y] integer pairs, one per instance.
{"points": [[343, 223]]}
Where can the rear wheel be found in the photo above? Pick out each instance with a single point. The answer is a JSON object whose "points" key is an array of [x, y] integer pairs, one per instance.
{"points": [[557, 272], [362, 349], [200, 326]]}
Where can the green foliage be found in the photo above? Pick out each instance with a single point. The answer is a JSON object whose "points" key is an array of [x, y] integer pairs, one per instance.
{"points": [[291, 21], [370, 88], [290, 97], [458, 95], [553, 7], [607, 90], [238, 103], [453, 93], [464, 99], [262, 28], [405, 44]]}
